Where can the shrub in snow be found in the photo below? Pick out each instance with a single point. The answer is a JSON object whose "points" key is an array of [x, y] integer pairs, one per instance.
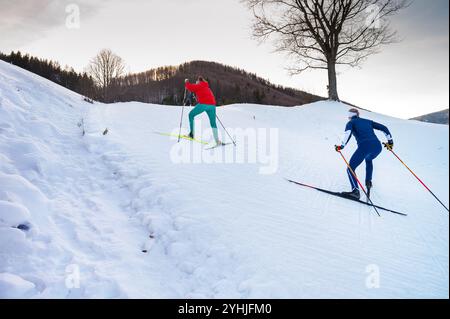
{"points": [[86, 99], [24, 227]]}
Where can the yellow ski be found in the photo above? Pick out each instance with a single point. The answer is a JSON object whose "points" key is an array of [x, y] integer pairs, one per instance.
{"points": [[182, 137]]}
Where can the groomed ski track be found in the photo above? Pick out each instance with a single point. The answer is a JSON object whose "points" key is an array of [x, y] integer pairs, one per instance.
{"points": [[211, 230]]}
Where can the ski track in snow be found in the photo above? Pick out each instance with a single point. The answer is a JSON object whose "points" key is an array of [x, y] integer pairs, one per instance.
{"points": [[138, 226]]}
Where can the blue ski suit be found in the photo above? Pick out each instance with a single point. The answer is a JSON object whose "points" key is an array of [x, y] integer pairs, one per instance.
{"points": [[369, 147]]}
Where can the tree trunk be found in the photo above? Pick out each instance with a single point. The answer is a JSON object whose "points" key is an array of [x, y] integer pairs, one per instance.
{"points": [[105, 95], [332, 82]]}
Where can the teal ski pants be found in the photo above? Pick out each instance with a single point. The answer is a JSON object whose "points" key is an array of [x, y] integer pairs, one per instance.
{"points": [[211, 111]]}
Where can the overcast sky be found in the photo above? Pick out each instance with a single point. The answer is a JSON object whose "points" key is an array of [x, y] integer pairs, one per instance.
{"points": [[407, 79]]}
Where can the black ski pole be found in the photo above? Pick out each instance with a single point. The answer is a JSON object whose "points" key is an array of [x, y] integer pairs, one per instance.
{"points": [[182, 114], [226, 130]]}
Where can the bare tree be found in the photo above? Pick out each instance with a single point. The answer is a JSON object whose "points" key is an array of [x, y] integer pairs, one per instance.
{"points": [[321, 34], [104, 69]]}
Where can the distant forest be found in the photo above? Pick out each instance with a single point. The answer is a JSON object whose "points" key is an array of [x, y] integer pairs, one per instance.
{"points": [[165, 85], [81, 83]]}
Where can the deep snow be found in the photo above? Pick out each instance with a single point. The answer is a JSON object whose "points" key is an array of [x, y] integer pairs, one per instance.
{"points": [[94, 203]]}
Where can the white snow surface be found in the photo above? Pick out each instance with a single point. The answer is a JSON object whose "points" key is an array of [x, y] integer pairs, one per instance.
{"points": [[92, 204]]}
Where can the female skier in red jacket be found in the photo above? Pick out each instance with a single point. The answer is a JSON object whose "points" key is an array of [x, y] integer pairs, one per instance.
{"points": [[206, 103]]}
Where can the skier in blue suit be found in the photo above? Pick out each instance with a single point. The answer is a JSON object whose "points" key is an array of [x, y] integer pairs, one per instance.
{"points": [[369, 147]]}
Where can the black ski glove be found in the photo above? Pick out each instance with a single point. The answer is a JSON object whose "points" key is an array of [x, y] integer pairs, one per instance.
{"points": [[389, 145]]}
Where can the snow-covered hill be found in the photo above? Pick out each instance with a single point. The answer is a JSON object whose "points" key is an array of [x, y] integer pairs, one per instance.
{"points": [[117, 215], [441, 117]]}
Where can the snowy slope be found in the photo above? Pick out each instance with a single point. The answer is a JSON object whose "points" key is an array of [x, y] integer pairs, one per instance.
{"points": [[94, 203]]}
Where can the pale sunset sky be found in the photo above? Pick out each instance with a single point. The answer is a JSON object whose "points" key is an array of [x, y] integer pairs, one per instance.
{"points": [[406, 79]]}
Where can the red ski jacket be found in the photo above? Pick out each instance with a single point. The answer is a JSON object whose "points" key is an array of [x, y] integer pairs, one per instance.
{"points": [[203, 93]]}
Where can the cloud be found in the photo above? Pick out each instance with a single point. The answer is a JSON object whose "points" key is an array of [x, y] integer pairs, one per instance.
{"points": [[24, 21], [425, 18]]}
